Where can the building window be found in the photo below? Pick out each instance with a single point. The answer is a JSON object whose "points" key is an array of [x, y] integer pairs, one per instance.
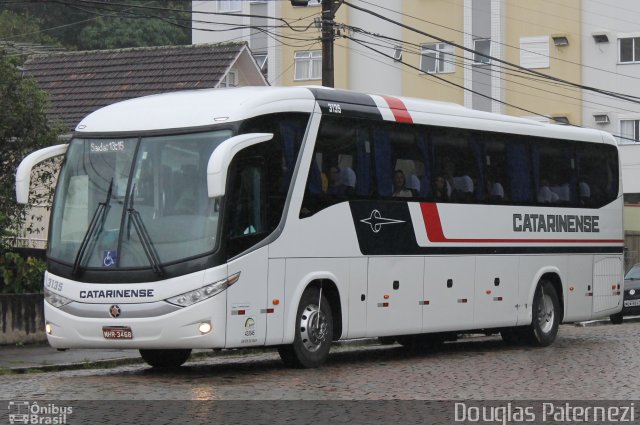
{"points": [[436, 58], [230, 80], [308, 65], [263, 62], [482, 51], [534, 52], [229, 6], [629, 49], [629, 131]]}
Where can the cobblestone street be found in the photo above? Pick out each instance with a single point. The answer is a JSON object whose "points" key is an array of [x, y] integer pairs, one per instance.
{"points": [[599, 362]]}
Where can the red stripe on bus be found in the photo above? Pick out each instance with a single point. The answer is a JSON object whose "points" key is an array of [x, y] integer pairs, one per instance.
{"points": [[433, 226], [398, 109]]}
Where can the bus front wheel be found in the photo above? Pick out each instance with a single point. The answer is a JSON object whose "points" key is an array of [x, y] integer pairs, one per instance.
{"points": [[313, 333], [165, 358], [546, 315]]}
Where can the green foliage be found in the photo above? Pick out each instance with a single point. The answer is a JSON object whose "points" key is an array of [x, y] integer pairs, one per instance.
{"points": [[24, 128], [105, 26], [17, 27], [19, 275], [115, 33]]}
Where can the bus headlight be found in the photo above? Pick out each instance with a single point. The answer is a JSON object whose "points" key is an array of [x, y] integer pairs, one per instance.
{"points": [[201, 294], [54, 299]]}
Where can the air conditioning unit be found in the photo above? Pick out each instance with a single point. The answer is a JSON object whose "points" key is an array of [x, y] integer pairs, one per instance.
{"points": [[601, 118], [600, 37]]}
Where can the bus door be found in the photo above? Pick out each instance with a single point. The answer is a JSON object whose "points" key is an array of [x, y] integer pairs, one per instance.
{"points": [[245, 220], [394, 292], [607, 283]]}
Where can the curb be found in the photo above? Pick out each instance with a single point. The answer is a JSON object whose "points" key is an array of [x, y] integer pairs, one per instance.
{"points": [[125, 361], [603, 322]]}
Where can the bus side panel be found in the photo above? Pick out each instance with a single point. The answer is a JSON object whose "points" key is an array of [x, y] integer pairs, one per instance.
{"points": [[580, 295], [496, 291], [275, 301], [449, 287], [395, 292], [246, 300], [531, 270], [357, 302]]}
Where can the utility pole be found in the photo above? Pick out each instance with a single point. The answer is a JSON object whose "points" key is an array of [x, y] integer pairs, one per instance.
{"points": [[329, 8], [328, 15]]}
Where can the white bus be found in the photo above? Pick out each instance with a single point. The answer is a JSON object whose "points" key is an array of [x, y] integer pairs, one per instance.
{"points": [[293, 217]]}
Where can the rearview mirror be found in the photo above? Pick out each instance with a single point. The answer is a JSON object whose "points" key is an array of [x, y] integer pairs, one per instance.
{"points": [[221, 157], [23, 173]]}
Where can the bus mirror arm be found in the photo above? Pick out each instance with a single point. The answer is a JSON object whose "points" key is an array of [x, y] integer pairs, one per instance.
{"points": [[23, 174], [221, 157]]}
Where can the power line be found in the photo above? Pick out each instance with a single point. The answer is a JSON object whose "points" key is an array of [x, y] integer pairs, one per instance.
{"points": [[467, 49], [470, 90], [503, 44]]}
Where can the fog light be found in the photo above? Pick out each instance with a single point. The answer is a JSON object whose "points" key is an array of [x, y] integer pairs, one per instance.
{"points": [[48, 328], [204, 327]]}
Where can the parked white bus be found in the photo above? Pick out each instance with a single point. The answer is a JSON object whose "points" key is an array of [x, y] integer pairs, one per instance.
{"points": [[293, 217]]}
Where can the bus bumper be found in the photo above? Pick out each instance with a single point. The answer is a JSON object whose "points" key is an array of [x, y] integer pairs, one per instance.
{"points": [[182, 328]]}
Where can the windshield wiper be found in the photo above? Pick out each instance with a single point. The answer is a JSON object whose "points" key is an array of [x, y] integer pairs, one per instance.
{"points": [[143, 235], [95, 227]]}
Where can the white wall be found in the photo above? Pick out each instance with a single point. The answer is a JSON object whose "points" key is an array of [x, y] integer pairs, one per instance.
{"points": [[601, 69], [370, 72]]}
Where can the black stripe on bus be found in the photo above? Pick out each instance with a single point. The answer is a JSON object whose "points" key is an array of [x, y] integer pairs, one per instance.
{"points": [[386, 228], [346, 103]]}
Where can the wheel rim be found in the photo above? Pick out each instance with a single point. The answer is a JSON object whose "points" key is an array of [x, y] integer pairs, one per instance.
{"points": [[546, 313], [313, 328]]}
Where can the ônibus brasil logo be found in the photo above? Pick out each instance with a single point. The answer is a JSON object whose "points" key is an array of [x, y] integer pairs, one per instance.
{"points": [[25, 412]]}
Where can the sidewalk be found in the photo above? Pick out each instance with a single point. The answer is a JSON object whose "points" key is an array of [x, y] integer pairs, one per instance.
{"points": [[41, 357]]}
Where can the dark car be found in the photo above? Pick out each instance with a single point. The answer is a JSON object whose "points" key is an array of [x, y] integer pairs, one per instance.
{"points": [[631, 303]]}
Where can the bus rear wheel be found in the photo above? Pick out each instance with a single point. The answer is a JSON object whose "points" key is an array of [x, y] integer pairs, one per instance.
{"points": [[313, 333], [546, 315], [165, 359]]}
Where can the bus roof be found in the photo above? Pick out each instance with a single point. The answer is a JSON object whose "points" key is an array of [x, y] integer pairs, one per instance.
{"points": [[207, 107]]}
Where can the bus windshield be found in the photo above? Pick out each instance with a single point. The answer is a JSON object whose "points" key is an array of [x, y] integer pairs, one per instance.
{"points": [[135, 202]]}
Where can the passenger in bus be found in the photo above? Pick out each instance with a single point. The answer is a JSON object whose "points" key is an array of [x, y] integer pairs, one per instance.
{"points": [[562, 190], [440, 190], [348, 180], [335, 186], [400, 185], [584, 193], [413, 184], [545, 194]]}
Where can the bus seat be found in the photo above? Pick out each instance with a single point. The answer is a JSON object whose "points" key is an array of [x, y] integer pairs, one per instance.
{"points": [[348, 177]]}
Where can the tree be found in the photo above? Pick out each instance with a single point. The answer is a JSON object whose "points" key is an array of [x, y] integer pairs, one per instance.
{"points": [[115, 33], [109, 24], [24, 127]]}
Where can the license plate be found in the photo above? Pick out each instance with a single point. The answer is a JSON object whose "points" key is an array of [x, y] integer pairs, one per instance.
{"points": [[117, 332], [632, 303]]}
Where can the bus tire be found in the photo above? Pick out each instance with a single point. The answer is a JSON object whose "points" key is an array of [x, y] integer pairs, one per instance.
{"points": [[165, 359], [313, 333], [545, 315], [616, 319], [514, 336]]}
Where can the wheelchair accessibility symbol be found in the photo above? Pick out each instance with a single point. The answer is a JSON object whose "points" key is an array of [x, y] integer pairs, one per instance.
{"points": [[109, 258]]}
